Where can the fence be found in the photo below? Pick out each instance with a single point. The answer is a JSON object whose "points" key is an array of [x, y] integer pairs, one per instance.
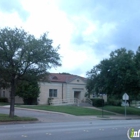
{"points": [[69, 101]]}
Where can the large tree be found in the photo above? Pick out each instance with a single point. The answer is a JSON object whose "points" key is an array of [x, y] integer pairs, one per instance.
{"points": [[21, 51], [115, 75], [28, 88]]}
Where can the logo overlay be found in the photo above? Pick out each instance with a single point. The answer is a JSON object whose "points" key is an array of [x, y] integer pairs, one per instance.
{"points": [[131, 133]]}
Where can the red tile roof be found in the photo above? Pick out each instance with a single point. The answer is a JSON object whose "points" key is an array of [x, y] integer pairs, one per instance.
{"points": [[63, 78]]}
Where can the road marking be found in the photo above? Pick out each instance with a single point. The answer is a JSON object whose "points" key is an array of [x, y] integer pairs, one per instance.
{"points": [[101, 129], [23, 135], [48, 134], [86, 130]]}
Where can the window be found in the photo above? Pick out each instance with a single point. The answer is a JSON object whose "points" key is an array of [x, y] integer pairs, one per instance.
{"points": [[52, 92], [3, 93]]}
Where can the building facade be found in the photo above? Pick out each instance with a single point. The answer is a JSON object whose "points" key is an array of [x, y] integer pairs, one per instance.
{"points": [[58, 86], [62, 86], [6, 93]]}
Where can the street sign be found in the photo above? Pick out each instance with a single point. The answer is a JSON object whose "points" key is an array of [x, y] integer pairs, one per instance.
{"points": [[125, 96]]}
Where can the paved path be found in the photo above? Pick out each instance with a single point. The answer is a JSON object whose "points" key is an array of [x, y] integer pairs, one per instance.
{"points": [[87, 105]]}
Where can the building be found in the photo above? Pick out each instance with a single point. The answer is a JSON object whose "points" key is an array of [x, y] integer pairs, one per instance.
{"points": [[57, 86], [5, 92], [62, 86]]}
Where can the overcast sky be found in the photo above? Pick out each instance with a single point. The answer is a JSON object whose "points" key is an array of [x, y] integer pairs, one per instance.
{"points": [[87, 30]]}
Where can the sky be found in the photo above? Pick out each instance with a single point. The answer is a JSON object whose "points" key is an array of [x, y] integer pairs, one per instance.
{"points": [[86, 30]]}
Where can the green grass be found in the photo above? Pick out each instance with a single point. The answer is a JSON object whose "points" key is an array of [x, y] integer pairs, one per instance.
{"points": [[73, 110], [2, 103], [120, 110], [6, 118]]}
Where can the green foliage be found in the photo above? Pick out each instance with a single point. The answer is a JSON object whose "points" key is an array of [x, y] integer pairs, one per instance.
{"points": [[3, 99], [28, 88], [30, 101], [114, 102], [49, 100], [20, 52], [97, 102], [116, 75], [65, 73]]}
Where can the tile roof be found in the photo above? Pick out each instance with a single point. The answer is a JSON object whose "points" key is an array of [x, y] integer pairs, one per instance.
{"points": [[65, 78]]}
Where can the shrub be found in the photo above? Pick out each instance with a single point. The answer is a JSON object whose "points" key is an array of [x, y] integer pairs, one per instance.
{"points": [[97, 102], [30, 101], [4, 99], [49, 100], [114, 102]]}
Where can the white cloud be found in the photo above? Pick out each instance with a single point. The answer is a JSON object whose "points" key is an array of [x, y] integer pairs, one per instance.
{"points": [[86, 31], [10, 20], [45, 16]]}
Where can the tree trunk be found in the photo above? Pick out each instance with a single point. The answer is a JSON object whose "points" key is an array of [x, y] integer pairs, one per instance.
{"points": [[12, 98]]}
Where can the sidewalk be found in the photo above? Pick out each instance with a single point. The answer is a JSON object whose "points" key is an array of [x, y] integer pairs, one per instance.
{"points": [[116, 116], [86, 105]]}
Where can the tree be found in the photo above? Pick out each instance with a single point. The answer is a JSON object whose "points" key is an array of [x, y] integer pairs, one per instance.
{"points": [[28, 88], [21, 51], [115, 75]]}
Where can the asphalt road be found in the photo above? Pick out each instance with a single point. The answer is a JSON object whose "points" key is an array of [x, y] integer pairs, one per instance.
{"points": [[87, 130], [59, 126]]}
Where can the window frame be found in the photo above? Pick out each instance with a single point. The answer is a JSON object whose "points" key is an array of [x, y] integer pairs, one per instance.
{"points": [[53, 93]]}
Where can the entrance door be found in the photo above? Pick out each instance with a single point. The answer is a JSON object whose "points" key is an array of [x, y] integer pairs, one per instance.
{"points": [[77, 94]]}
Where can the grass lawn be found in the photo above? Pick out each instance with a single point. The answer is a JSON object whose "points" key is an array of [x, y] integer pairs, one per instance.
{"points": [[74, 110], [6, 118], [2, 103], [120, 110]]}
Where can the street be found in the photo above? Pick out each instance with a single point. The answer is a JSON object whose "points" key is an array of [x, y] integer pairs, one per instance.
{"points": [[87, 130], [59, 126]]}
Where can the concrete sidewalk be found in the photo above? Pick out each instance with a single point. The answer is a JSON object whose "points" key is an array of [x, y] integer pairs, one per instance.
{"points": [[86, 105]]}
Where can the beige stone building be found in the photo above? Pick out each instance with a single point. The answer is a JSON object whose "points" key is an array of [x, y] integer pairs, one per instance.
{"points": [[62, 86], [59, 86], [6, 93]]}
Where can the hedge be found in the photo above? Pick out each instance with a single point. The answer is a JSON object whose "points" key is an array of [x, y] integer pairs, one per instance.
{"points": [[4, 99], [97, 102], [114, 102]]}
